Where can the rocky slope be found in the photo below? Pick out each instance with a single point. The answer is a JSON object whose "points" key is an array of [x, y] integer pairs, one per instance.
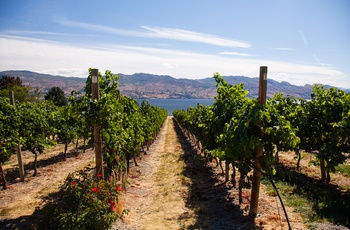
{"points": [[143, 85]]}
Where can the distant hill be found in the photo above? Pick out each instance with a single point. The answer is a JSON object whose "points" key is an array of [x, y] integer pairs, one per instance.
{"points": [[142, 85], [44, 82]]}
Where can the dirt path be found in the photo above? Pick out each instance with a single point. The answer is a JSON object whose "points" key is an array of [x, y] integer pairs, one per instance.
{"points": [[155, 195]]}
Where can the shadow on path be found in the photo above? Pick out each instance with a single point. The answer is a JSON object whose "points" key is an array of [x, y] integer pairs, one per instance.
{"points": [[209, 198], [23, 222]]}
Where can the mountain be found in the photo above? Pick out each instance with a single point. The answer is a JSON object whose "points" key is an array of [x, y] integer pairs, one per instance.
{"points": [[44, 82], [273, 87], [142, 85]]}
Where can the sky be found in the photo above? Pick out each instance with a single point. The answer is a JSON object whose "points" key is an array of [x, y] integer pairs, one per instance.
{"points": [[300, 41]]}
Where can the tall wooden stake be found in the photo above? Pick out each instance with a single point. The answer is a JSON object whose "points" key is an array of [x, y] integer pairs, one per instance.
{"points": [[19, 155], [254, 199], [97, 127]]}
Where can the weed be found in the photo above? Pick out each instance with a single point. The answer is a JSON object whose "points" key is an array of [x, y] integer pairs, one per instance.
{"points": [[315, 201], [343, 169], [4, 211]]}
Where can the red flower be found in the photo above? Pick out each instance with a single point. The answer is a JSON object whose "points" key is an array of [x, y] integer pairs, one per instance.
{"points": [[99, 175], [119, 189], [74, 183], [94, 189], [112, 208], [111, 202]]}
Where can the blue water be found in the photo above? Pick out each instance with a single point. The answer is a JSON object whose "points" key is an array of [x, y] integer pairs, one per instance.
{"points": [[172, 104]]}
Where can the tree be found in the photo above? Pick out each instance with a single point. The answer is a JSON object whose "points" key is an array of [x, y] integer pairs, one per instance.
{"points": [[56, 95], [15, 84], [7, 82]]}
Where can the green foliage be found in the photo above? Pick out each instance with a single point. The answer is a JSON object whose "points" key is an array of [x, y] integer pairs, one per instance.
{"points": [[66, 125], [56, 95], [235, 126], [343, 169], [8, 82], [290, 110], [85, 202], [9, 125], [79, 111], [154, 118], [35, 128], [21, 92], [125, 126], [327, 127]]}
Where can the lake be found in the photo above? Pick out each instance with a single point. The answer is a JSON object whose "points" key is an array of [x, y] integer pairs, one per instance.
{"points": [[172, 104]]}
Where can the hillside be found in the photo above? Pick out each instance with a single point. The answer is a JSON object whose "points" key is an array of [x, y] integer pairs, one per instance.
{"points": [[44, 82], [142, 85]]}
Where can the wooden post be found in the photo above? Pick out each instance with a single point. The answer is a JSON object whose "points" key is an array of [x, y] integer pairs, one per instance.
{"points": [[254, 199], [97, 127], [19, 155]]}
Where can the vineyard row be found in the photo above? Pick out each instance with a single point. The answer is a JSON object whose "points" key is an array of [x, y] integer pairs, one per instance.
{"points": [[126, 127], [235, 127]]}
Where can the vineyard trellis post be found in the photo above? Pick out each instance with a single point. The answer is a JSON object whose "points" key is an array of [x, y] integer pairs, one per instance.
{"points": [[254, 199], [19, 155], [97, 127]]}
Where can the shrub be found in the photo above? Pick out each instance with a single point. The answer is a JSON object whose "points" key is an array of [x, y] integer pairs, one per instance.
{"points": [[85, 202]]}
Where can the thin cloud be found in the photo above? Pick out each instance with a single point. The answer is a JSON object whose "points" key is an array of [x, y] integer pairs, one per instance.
{"points": [[186, 35], [30, 32], [101, 28], [303, 38], [159, 32], [316, 59], [169, 66], [33, 33], [237, 54], [72, 72], [283, 49], [319, 61]]}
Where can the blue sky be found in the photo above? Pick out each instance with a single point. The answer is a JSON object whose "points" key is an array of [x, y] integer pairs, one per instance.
{"points": [[302, 42]]}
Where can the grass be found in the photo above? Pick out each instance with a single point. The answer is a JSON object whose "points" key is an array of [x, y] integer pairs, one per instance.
{"points": [[314, 200], [343, 169], [169, 177], [4, 211], [300, 203]]}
